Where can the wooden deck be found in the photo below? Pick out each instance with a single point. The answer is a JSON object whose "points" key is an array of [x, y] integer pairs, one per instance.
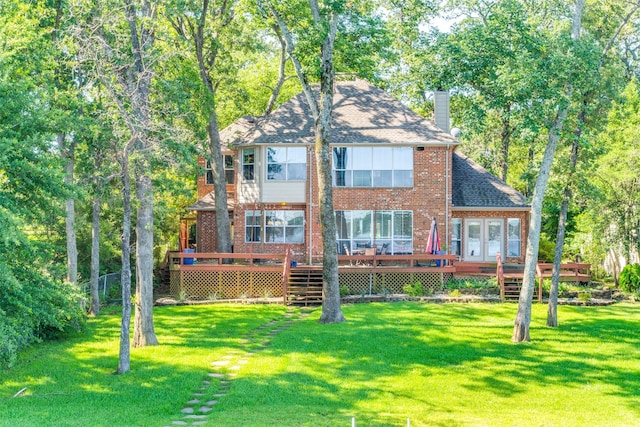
{"points": [[250, 275]]}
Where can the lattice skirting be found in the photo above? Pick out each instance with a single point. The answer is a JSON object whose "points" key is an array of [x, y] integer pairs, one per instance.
{"points": [[226, 284], [378, 283]]}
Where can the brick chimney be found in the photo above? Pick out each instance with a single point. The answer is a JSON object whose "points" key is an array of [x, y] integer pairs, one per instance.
{"points": [[441, 109]]}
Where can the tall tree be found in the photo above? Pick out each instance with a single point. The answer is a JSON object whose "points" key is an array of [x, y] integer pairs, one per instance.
{"points": [[325, 24], [117, 40], [523, 316], [591, 92]]}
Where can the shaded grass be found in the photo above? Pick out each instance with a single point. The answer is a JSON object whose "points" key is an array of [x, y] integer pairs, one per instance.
{"points": [[438, 365]]}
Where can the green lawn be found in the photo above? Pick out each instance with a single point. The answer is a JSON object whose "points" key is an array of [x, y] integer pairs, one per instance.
{"points": [[437, 365]]}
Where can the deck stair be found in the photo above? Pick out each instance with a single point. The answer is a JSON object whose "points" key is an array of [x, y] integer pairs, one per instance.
{"points": [[304, 287]]}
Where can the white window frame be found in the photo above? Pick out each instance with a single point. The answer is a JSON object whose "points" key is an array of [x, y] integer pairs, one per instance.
{"points": [[373, 167], [517, 242], [290, 164]]}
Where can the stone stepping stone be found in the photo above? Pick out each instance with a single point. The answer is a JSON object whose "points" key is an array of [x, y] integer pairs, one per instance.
{"points": [[198, 394], [234, 368], [205, 409], [198, 423], [220, 395], [216, 375], [193, 401], [243, 362], [212, 402], [179, 423], [221, 362], [187, 410], [206, 381], [195, 417]]}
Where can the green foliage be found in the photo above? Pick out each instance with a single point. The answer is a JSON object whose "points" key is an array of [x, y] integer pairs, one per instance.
{"points": [[630, 278], [414, 289], [546, 249], [455, 293], [472, 283], [344, 291]]}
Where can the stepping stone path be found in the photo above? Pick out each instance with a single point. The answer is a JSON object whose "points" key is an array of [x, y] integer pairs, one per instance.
{"points": [[217, 383]]}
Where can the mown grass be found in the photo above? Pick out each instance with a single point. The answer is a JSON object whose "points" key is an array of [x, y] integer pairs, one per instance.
{"points": [[437, 365]]}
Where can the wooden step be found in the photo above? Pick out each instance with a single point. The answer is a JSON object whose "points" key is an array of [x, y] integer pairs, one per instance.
{"points": [[304, 287]]}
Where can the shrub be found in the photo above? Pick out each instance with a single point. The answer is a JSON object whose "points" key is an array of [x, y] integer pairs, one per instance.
{"points": [[413, 289], [455, 293], [630, 278], [344, 291]]}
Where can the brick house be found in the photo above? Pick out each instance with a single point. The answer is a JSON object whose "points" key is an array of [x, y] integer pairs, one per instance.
{"points": [[393, 172]]}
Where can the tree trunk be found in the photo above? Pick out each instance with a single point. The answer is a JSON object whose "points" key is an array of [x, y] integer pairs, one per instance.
{"points": [[143, 332], [220, 186], [505, 139], [552, 308], [331, 311], [68, 153], [281, 72], [523, 316], [94, 307], [124, 357]]}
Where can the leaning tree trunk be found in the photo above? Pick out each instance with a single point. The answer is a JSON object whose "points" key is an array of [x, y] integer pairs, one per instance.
{"points": [[523, 316], [124, 357], [552, 308], [94, 306]]}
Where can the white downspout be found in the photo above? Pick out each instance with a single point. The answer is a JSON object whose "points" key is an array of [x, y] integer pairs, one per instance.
{"points": [[310, 205], [446, 196]]}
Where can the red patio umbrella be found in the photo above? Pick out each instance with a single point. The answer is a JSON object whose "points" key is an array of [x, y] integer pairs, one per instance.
{"points": [[433, 244]]}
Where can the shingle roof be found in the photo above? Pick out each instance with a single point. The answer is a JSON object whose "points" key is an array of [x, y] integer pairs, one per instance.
{"points": [[208, 203], [362, 114], [473, 186]]}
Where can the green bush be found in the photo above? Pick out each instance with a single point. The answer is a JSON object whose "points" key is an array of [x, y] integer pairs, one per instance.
{"points": [[413, 289], [344, 291], [33, 308], [630, 278]]}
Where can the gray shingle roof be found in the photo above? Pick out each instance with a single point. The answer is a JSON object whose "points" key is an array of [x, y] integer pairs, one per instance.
{"points": [[362, 114], [473, 186], [208, 203]]}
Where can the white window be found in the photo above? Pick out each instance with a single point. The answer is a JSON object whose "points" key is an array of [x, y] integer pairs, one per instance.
{"points": [[228, 170], [357, 230], [286, 163], [279, 226], [456, 236], [513, 237], [372, 167], [252, 226], [248, 163]]}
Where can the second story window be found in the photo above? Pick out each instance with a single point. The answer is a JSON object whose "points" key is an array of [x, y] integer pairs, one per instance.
{"points": [[248, 163], [372, 167], [229, 173], [286, 164]]}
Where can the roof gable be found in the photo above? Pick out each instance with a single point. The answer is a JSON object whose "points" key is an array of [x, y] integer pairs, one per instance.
{"points": [[362, 113]]}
